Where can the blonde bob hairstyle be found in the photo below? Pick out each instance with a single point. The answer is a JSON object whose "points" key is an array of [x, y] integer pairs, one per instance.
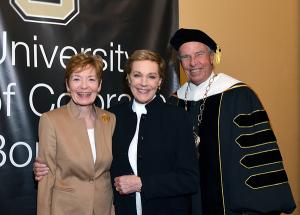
{"points": [[139, 55]]}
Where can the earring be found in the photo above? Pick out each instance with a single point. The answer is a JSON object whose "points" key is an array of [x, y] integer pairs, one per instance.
{"points": [[158, 89]]}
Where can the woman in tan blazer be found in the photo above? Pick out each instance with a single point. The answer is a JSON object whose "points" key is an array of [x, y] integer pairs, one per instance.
{"points": [[75, 143]]}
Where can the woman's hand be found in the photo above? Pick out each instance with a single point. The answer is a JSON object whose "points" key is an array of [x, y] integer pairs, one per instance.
{"points": [[40, 170], [127, 184]]}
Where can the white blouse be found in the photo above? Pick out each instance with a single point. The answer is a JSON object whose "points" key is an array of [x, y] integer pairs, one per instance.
{"points": [[139, 109], [91, 134]]}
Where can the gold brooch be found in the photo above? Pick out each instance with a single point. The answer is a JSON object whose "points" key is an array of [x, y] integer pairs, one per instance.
{"points": [[105, 117]]}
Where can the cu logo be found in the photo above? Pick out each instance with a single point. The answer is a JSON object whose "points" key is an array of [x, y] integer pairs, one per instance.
{"points": [[58, 12]]}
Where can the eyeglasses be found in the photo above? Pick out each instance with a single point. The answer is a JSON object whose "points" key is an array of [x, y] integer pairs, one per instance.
{"points": [[197, 55]]}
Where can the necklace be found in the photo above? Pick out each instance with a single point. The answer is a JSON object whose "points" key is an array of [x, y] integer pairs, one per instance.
{"points": [[201, 108]]}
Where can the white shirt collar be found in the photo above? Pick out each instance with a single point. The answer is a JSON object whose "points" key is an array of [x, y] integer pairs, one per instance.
{"points": [[139, 108], [196, 92]]}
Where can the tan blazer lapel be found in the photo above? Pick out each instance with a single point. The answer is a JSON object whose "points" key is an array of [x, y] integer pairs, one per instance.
{"points": [[103, 142], [80, 131]]}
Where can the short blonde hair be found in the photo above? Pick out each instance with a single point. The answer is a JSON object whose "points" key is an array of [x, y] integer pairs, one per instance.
{"points": [[139, 55]]}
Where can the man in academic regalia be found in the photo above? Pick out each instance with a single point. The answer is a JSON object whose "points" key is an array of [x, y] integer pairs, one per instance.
{"points": [[241, 168]]}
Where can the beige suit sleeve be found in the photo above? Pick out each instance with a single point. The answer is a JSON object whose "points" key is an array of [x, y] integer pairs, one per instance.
{"points": [[47, 154]]}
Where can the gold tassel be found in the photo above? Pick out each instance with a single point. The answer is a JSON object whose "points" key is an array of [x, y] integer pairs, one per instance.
{"points": [[218, 55]]}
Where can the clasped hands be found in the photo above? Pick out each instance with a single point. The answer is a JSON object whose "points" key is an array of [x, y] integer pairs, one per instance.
{"points": [[127, 184]]}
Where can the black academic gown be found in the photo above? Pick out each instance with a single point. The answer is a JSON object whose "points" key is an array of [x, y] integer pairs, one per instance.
{"points": [[166, 159], [241, 169]]}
